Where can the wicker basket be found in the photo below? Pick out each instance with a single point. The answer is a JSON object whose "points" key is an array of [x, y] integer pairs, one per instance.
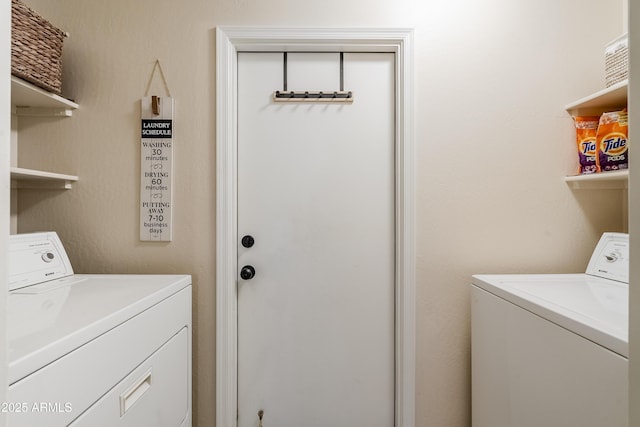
{"points": [[616, 61], [36, 48]]}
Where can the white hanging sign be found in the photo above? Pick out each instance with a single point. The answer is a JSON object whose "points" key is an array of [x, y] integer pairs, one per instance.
{"points": [[156, 168]]}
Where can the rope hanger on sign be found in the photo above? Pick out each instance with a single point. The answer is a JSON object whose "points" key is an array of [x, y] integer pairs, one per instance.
{"points": [[313, 96], [155, 100], [157, 65]]}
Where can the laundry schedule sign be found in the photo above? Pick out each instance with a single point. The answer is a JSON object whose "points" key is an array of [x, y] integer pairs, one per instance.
{"points": [[156, 168]]}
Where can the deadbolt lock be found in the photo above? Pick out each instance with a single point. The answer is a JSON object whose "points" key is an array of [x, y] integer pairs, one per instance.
{"points": [[248, 241]]}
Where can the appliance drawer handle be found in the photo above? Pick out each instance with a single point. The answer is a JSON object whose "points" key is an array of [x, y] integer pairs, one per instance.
{"points": [[135, 392]]}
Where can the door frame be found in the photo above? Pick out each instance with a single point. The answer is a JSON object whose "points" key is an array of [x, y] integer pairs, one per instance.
{"points": [[230, 41]]}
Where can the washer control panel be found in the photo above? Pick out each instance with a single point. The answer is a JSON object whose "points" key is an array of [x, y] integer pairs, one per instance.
{"points": [[610, 259], [36, 258]]}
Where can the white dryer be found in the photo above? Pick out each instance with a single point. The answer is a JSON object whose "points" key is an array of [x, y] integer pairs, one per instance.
{"points": [[551, 349], [94, 350]]}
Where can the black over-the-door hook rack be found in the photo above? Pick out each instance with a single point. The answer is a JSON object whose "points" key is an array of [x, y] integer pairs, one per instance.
{"points": [[313, 96]]}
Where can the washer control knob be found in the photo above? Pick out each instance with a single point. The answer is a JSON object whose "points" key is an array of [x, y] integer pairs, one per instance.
{"points": [[48, 256], [247, 272]]}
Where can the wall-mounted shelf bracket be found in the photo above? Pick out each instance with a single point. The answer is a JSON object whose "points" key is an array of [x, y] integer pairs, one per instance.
{"points": [[43, 112]]}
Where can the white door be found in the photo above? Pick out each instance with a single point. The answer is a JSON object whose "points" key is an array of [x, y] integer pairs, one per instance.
{"points": [[316, 193]]}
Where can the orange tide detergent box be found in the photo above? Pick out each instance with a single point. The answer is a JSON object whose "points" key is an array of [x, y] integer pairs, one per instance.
{"points": [[586, 128], [611, 141]]}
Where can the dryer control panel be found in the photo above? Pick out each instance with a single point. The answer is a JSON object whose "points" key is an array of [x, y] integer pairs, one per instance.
{"points": [[610, 259], [36, 258]]}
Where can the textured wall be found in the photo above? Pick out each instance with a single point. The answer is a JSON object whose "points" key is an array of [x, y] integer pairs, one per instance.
{"points": [[492, 145]]}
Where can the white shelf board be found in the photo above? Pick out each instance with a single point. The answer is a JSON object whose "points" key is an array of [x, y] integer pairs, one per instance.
{"points": [[30, 178], [32, 100], [598, 181], [609, 99]]}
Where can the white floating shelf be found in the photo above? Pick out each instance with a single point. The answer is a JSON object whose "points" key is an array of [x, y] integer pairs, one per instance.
{"points": [[29, 178], [609, 99], [30, 100], [599, 181]]}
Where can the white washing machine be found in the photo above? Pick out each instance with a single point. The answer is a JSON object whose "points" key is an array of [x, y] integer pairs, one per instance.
{"points": [[94, 350], [551, 349]]}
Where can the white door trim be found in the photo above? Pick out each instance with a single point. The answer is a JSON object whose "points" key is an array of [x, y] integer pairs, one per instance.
{"points": [[230, 41]]}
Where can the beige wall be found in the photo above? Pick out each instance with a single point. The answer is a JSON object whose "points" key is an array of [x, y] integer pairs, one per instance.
{"points": [[492, 145], [5, 143], [634, 213]]}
